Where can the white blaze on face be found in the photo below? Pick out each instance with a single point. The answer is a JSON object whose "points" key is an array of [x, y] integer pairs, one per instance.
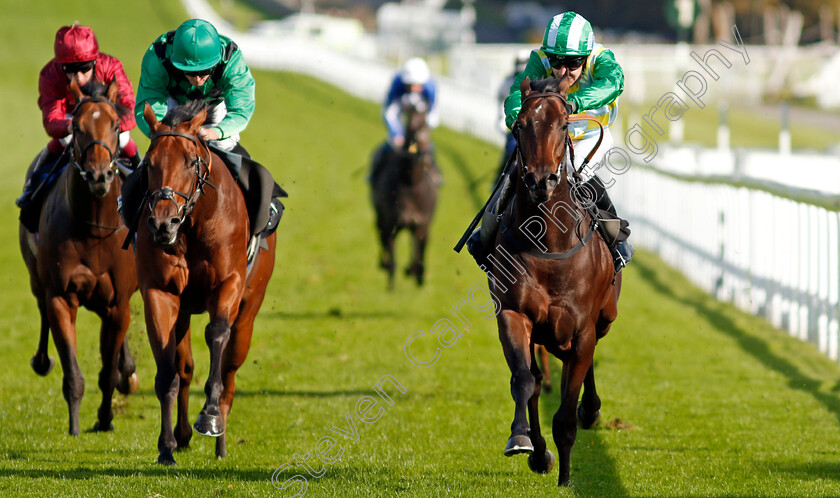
{"points": [[95, 115]]}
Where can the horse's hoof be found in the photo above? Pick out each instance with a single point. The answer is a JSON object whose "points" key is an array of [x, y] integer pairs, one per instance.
{"points": [[585, 420], [209, 425], [168, 460], [129, 385], [98, 427], [518, 444], [543, 467], [42, 368]]}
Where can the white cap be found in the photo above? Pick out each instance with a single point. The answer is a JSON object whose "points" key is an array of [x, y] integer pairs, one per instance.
{"points": [[415, 71]]}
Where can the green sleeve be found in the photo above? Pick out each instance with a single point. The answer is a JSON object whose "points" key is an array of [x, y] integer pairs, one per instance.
{"points": [[237, 85], [513, 103], [607, 84], [152, 89]]}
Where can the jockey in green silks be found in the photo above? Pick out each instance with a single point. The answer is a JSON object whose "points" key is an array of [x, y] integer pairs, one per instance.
{"points": [[194, 62], [598, 81]]}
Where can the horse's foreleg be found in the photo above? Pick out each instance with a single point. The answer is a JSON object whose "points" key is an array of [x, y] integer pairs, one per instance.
{"points": [[590, 404], [564, 427], [111, 338], [421, 234], [541, 460], [41, 362], [515, 336], [234, 357], [62, 319], [217, 335], [184, 366], [161, 310], [386, 258], [128, 380], [543, 355]]}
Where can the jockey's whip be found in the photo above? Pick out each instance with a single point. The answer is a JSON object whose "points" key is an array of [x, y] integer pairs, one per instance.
{"points": [[499, 182]]}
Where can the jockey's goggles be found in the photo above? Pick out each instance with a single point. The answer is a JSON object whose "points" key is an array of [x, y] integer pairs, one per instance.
{"points": [[571, 62], [200, 74], [78, 67]]}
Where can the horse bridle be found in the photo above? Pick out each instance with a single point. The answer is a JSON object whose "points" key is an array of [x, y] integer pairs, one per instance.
{"points": [[77, 158], [167, 193], [569, 147]]}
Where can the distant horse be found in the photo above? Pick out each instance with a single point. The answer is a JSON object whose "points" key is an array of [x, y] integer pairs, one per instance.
{"points": [[563, 296], [76, 260], [191, 258], [404, 192]]}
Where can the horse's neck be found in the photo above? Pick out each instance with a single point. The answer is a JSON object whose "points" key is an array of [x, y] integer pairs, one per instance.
{"points": [[559, 216], [86, 207]]}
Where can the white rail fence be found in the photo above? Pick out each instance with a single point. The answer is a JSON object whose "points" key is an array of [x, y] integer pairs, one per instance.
{"points": [[768, 255]]}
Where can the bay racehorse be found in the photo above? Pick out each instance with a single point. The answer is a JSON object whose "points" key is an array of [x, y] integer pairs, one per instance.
{"points": [[559, 291], [404, 192], [191, 258], [75, 259]]}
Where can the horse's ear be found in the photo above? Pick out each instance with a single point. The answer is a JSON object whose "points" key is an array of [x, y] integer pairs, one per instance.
{"points": [[566, 81], [198, 120], [149, 116], [76, 91], [112, 91], [525, 86]]}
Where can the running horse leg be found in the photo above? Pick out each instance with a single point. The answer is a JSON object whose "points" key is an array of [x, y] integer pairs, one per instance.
{"points": [[542, 353], [564, 426], [223, 311], [234, 357], [62, 317], [420, 235], [161, 311], [589, 409], [184, 367], [386, 258], [515, 336], [541, 460], [112, 333], [128, 380], [41, 361]]}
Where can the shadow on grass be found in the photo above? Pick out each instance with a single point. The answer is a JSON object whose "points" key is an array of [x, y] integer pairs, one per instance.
{"points": [[755, 346]]}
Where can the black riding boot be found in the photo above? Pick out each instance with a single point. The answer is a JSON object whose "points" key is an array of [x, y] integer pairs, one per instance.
{"points": [[481, 241], [614, 229], [39, 174]]}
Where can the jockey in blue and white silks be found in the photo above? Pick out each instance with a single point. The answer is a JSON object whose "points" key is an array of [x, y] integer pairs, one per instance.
{"points": [[413, 77]]}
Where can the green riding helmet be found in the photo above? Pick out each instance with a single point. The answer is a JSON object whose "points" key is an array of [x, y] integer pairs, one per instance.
{"points": [[568, 34], [196, 46]]}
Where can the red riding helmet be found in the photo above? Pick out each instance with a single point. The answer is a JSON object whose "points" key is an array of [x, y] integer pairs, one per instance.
{"points": [[75, 44]]}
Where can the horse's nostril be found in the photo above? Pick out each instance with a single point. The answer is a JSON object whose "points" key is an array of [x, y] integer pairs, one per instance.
{"points": [[174, 222], [530, 181], [109, 174]]}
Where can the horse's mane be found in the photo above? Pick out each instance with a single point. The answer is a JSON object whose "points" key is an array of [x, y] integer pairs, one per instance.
{"points": [[99, 89], [546, 85], [185, 112]]}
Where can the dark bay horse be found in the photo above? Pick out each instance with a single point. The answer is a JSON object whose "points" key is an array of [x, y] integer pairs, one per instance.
{"points": [[556, 290], [76, 260], [404, 192], [191, 258]]}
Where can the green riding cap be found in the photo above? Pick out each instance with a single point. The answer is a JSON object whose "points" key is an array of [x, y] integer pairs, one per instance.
{"points": [[196, 46], [568, 34]]}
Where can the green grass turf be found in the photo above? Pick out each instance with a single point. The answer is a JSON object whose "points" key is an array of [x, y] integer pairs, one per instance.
{"points": [[698, 399]]}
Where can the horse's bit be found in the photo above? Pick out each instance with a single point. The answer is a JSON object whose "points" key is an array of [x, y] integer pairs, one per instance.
{"points": [[167, 193]]}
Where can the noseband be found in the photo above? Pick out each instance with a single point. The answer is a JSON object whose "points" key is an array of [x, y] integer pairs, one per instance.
{"points": [[77, 157], [167, 193], [568, 139]]}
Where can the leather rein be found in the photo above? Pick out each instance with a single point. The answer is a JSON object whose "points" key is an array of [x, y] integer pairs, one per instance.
{"points": [[593, 226], [199, 181]]}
